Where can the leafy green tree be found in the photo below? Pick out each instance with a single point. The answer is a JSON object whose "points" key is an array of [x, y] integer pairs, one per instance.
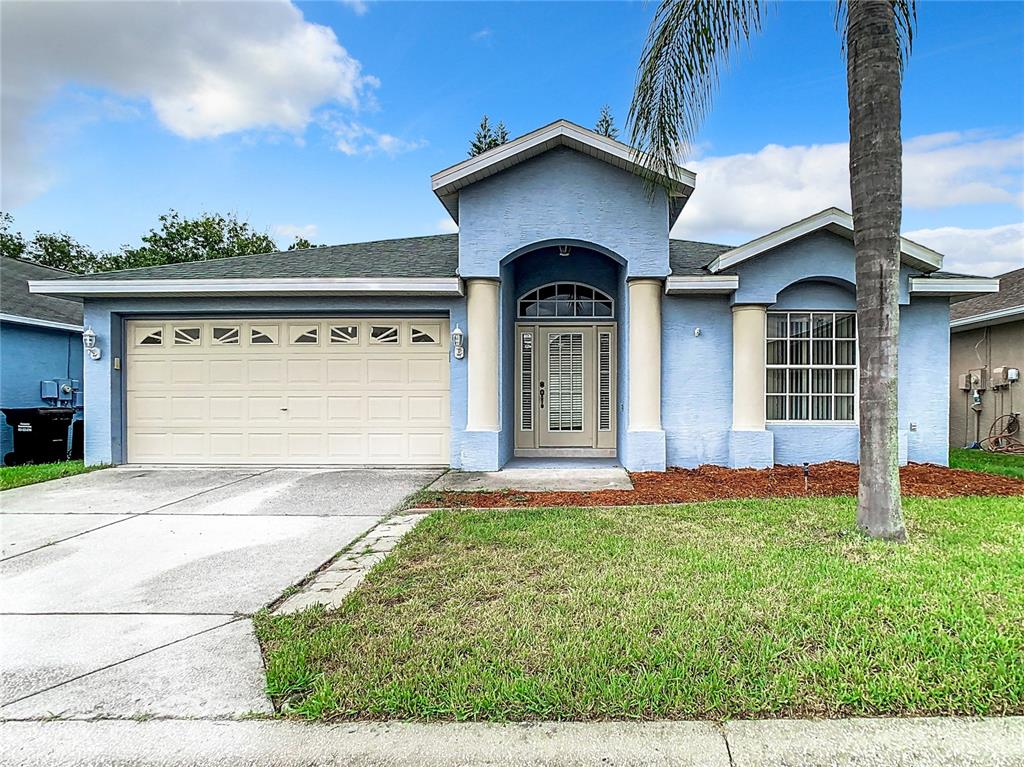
{"points": [[62, 251], [59, 250], [606, 123], [688, 42], [487, 138], [12, 244], [179, 239], [301, 243]]}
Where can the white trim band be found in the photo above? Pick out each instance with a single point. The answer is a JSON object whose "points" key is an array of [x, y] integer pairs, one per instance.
{"points": [[701, 284], [835, 220], [13, 318], [953, 286], [354, 286]]}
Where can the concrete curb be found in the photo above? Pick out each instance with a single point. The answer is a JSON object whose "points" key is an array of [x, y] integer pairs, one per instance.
{"points": [[776, 743]]}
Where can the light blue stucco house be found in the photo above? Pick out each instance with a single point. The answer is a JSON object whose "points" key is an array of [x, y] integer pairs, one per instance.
{"points": [[40, 343], [561, 321]]}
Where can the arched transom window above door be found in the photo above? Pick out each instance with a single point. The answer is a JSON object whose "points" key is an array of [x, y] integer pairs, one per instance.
{"points": [[565, 299]]}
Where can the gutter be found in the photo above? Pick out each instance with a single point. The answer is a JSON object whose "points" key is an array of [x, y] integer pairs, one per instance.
{"points": [[49, 324], [996, 317], [332, 286]]}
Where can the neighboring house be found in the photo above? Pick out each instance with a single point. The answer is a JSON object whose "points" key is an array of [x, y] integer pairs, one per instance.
{"points": [[986, 333], [40, 339], [586, 331]]}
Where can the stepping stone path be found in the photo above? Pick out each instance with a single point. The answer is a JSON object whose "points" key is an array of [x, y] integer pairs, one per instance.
{"points": [[330, 586]]}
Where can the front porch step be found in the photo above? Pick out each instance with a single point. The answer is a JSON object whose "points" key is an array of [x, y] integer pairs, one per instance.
{"points": [[576, 476]]}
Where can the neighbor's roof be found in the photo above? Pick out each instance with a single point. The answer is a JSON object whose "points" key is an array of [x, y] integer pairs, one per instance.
{"points": [[447, 183], [16, 303], [1004, 306]]}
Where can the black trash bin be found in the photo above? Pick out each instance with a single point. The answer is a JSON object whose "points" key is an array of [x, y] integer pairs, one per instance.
{"points": [[40, 434]]}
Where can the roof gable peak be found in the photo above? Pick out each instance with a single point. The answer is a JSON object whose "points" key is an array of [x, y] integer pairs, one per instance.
{"points": [[833, 219], [447, 183]]}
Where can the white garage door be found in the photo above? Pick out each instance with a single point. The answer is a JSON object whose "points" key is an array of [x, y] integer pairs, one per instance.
{"points": [[288, 391]]}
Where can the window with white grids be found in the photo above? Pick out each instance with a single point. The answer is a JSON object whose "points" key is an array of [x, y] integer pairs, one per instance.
{"points": [[811, 370]]}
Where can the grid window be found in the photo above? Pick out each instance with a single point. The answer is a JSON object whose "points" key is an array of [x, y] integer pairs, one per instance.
{"points": [[811, 369]]}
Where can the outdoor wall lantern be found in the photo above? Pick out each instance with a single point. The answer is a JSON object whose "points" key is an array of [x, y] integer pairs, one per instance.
{"points": [[89, 342], [458, 341]]}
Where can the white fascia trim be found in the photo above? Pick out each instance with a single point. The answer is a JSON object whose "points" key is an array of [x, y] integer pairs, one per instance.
{"points": [[412, 286], [40, 323], [988, 318], [561, 129], [836, 220], [952, 286], [701, 283]]}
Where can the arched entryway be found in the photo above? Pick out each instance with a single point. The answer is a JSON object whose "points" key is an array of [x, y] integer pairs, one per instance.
{"points": [[563, 304]]}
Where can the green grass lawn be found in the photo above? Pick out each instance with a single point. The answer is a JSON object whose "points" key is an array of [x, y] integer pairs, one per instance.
{"points": [[714, 610], [16, 476], [991, 463]]}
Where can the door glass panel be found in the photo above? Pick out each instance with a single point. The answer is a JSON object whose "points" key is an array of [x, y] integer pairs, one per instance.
{"points": [[565, 382]]}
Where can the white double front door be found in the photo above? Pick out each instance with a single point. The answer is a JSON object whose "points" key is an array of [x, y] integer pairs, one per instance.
{"points": [[565, 387]]}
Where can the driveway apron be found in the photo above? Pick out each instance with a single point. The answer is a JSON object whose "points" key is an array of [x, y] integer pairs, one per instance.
{"points": [[128, 592]]}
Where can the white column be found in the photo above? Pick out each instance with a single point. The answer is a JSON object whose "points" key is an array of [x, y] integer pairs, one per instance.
{"points": [[748, 366], [482, 296], [645, 355]]}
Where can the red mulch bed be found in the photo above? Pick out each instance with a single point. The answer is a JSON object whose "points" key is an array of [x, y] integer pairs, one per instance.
{"points": [[713, 483]]}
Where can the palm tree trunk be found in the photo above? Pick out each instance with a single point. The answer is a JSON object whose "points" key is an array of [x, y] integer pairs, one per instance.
{"points": [[874, 78]]}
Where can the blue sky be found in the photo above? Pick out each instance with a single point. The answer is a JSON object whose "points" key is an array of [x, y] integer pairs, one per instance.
{"points": [[328, 118]]}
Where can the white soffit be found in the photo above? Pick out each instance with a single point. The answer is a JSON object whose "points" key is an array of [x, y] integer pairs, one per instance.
{"points": [[447, 183], [701, 284], [353, 286], [962, 287], [834, 220]]}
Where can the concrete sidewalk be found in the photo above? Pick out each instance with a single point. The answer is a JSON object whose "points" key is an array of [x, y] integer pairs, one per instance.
{"points": [[769, 743]]}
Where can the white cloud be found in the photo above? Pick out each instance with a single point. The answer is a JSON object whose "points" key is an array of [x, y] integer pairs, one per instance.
{"points": [[205, 69], [447, 226], [294, 231], [358, 7], [745, 195], [353, 138], [481, 34], [976, 251]]}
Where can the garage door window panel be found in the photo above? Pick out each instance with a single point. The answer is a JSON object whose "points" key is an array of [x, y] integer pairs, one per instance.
{"points": [[384, 334], [149, 336], [347, 335], [226, 335], [263, 335]]}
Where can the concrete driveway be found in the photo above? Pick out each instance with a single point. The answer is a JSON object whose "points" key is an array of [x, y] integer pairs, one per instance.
{"points": [[128, 592]]}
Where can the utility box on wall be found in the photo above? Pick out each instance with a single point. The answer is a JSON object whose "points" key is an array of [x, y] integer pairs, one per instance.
{"points": [[972, 380], [1004, 376]]}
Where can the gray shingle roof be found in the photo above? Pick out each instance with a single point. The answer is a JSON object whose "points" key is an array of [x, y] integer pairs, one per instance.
{"points": [[691, 257], [16, 300], [434, 255], [1011, 294], [431, 256]]}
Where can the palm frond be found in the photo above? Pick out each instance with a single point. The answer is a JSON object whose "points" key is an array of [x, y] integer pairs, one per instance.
{"points": [[687, 44], [905, 13]]}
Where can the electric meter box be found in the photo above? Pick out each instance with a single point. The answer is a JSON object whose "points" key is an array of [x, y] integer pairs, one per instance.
{"points": [[1004, 376], [972, 380]]}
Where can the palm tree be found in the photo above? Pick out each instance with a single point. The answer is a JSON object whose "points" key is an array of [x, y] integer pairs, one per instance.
{"points": [[687, 43]]}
